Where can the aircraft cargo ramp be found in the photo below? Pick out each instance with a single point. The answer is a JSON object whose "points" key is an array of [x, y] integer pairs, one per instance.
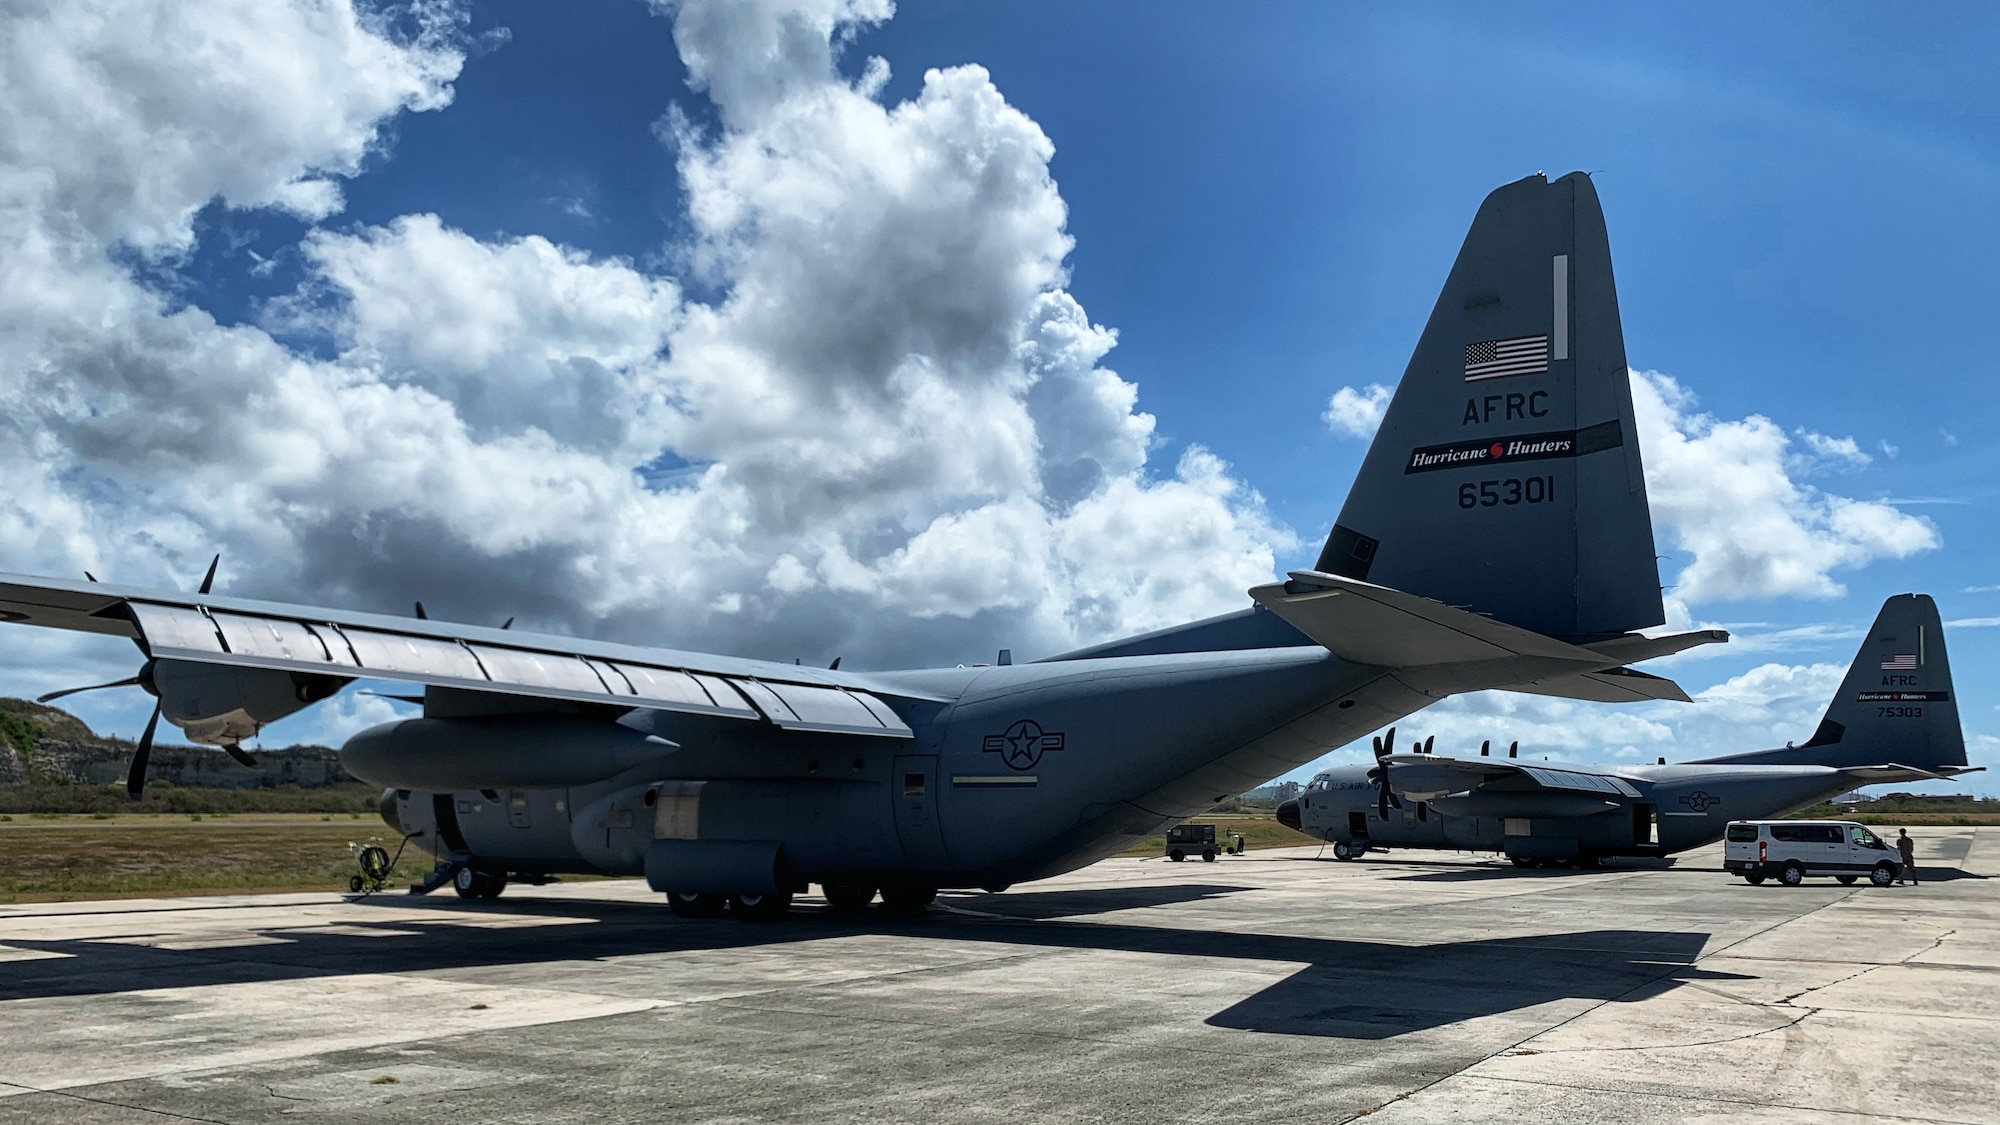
{"points": [[1268, 987]]}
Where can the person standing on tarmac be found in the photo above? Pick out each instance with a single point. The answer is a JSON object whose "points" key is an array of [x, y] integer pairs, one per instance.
{"points": [[1908, 848]]}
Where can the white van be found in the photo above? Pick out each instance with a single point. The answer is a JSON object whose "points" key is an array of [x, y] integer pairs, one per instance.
{"points": [[1794, 849]]}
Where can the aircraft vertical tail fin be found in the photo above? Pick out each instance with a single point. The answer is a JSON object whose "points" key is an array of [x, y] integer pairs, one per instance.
{"points": [[1896, 704], [1505, 477]]}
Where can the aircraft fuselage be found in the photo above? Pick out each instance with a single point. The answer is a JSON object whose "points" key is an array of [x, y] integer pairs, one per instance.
{"points": [[1028, 771], [1678, 807]]}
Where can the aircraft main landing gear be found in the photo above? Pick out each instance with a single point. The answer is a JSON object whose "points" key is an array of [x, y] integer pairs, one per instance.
{"points": [[908, 900], [688, 904], [847, 898], [760, 908], [472, 883]]}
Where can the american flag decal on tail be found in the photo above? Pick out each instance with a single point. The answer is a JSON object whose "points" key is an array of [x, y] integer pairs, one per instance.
{"points": [[1499, 359], [1900, 663]]}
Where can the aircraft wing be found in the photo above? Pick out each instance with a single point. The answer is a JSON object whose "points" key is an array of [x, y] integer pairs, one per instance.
{"points": [[1612, 685], [244, 633], [1420, 774]]}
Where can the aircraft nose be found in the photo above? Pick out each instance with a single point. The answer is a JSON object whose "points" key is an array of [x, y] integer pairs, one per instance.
{"points": [[1288, 815]]}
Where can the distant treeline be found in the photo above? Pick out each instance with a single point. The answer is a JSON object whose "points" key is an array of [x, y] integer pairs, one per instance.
{"points": [[166, 797], [1900, 803]]}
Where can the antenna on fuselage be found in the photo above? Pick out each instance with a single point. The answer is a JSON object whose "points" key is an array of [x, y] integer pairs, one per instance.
{"points": [[1514, 750], [1485, 748]]}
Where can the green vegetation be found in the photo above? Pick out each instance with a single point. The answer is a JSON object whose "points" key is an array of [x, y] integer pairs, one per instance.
{"points": [[165, 797], [19, 731], [155, 855], [1908, 810], [1258, 832]]}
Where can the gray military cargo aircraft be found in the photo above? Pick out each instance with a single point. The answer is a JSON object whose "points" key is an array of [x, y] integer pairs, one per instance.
{"points": [[1497, 536], [1893, 720]]}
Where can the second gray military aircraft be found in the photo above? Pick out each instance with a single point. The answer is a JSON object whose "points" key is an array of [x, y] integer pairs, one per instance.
{"points": [[1894, 720]]}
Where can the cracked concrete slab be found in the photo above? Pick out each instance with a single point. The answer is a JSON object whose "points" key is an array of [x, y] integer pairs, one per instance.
{"points": [[1275, 986]]}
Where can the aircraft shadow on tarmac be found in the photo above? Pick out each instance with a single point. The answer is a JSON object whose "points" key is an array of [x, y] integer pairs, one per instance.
{"points": [[1347, 989], [1068, 904]]}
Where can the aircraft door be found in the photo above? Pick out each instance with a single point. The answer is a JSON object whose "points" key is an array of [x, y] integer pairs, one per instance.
{"points": [[1357, 825], [444, 810], [915, 785]]}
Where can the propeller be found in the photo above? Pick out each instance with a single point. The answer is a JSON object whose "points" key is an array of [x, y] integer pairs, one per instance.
{"points": [[129, 681], [135, 778], [1385, 745]]}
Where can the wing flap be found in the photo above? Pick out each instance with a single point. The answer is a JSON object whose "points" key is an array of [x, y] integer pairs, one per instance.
{"points": [[244, 633], [1612, 685]]}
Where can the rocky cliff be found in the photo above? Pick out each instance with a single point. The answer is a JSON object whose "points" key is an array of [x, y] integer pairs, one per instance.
{"points": [[46, 744]]}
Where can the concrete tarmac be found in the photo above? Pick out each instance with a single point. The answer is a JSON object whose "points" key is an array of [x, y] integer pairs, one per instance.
{"points": [[1278, 986]]}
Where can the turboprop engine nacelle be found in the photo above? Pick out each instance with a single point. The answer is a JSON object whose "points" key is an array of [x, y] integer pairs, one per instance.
{"points": [[498, 752], [220, 705]]}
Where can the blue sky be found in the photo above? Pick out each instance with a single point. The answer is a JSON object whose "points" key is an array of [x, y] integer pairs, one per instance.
{"points": [[1263, 201]]}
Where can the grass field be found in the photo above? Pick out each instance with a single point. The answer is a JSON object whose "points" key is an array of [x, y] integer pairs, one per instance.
{"points": [[1259, 831], [54, 859]]}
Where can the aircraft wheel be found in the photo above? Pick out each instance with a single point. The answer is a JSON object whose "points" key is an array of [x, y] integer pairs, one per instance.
{"points": [[847, 897], [760, 908], [1208, 856], [1845, 880], [1882, 875], [1177, 855], [478, 884], [1754, 880], [1791, 875], [1521, 861], [1343, 850], [908, 900], [687, 904]]}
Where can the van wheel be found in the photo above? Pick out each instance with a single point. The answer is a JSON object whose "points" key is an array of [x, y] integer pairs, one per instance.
{"points": [[760, 908], [687, 904], [1208, 856], [1791, 875], [1177, 855], [1882, 875], [1754, 880], [1845, 880]]}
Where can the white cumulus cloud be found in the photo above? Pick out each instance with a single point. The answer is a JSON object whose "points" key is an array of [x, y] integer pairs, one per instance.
{"points": [[1353, 413], [1725, 492], [891, 437]]}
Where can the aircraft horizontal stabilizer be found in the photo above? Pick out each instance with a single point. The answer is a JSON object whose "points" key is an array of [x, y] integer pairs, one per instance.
{"points": [[1368, 624], [1894, 772]]}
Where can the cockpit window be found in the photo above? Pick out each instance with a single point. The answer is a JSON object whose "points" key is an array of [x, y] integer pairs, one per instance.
{"points": [[1319, 781]]}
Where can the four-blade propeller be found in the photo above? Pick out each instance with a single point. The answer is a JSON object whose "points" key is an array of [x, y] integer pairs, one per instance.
{"points": [[1385, 745], [135, 778]]}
